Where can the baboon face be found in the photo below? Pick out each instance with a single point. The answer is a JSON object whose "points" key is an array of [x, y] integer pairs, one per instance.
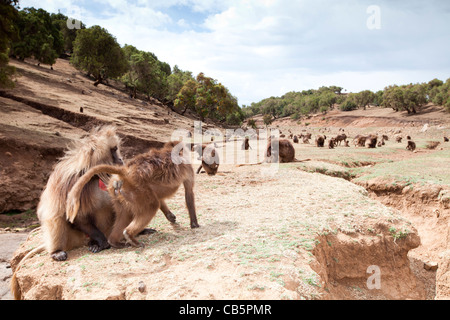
{"points": [[117, 159], [210, 160], [210, 169], [105, 146]]}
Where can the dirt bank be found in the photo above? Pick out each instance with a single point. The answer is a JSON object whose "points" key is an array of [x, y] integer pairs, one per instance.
{"points": [[428, 209]]}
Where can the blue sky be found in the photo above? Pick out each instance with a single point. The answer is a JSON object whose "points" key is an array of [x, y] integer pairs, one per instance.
{"points": [[263, 48]]}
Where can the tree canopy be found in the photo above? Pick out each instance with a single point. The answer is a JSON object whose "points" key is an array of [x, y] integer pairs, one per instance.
{"points": [[97, 52]]}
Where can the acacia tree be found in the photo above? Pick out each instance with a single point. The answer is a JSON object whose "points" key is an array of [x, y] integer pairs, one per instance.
{"points": [[7, 33], [364, 98], [38, 37], [97, 52], [407, 98], [206, 98]]}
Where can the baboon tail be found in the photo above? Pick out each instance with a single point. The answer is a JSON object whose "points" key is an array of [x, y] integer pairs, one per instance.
{"points": [[73, 198], [15, 289], [304, 160]]}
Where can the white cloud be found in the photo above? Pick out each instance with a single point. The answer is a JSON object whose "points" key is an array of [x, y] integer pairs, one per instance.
{"points": [[262, 48]]}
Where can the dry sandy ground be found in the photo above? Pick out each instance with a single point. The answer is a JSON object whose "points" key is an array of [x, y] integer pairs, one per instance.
{"points": [[285, 234]]}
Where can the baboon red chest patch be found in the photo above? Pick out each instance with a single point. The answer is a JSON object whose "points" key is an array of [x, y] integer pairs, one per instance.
{"points": [[102, 185]]}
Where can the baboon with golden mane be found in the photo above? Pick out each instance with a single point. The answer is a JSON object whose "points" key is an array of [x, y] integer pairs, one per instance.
{"points": [[139, 190], [96, 214]]}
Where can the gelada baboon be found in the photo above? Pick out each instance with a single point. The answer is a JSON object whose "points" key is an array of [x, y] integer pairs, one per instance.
{"points": [[139, 190], [278, 151], [284, 153], [371, 141], [339, 138], [359, 140], [210, 159], [96, 214], [331, 143], [411, 145], [320, 140], [246, 144]]}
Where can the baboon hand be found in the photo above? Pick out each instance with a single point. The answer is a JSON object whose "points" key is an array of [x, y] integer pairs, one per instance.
{"points": [[117, 184]]}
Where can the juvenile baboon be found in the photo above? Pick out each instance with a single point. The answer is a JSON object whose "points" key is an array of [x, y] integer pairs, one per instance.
{"points": [[332, 143], [285, 152], [210, 159], [320, 140], [371, 141], [398, 139], [295, 139], [385, 137], [411, 145], [81, 109], [445, 139], [408, 138], [246, 144], [139, 190], [291, 135], [347, 143], [96, 214]]}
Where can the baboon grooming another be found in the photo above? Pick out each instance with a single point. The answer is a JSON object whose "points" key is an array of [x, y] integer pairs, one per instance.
{"points": [[96, 215], [139, 191]]}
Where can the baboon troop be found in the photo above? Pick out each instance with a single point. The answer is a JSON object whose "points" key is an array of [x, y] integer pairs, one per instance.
{"points": [[93, 194], [411, 145], [138, 191]]}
